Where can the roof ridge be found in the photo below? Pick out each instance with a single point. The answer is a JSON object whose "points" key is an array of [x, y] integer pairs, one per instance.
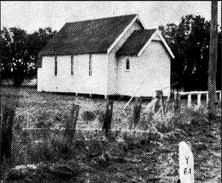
{"points": [[101, 18]]}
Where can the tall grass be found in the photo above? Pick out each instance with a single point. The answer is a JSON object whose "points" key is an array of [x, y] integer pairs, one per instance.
{"points": [[45, 111]]}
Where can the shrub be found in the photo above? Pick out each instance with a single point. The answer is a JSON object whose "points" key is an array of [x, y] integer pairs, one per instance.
{"points": [[60, 145], [88, 116], [101, 118], [41, 152], [43, 120]]}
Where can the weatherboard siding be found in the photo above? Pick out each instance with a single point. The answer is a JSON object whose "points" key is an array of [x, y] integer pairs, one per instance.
{"points": [[152, 69], [113, 64], [80, 82]]}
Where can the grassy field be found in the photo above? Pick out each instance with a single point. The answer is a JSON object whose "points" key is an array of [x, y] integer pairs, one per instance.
{"points": [[148, 157]]}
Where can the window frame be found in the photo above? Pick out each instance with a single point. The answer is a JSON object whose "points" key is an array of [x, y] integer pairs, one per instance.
{"points": [[127, 65], [90, 65], [55, 66], [72, 65]]}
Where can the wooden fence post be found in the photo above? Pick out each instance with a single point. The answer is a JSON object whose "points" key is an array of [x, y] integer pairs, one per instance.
{"points": [[108, 118], [136, 112], [6, 136], [160, 103], [177, 100], [71, 124], [0, 140]]}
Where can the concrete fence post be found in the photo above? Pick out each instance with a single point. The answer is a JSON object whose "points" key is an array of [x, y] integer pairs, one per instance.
{"points": [[207, 99], [186, 163], [199, 100], [189, 101]]}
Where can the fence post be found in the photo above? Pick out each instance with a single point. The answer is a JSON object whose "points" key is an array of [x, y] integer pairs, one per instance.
{"points": [[7, 124], [71, 124], [177, 102], [160, 103], [189, 101], [199, 99], [207, 99], [219, 95], [136, 112], [108, 118], [0, 140]]}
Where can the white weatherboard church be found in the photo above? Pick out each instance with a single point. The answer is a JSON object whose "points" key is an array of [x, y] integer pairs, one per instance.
{"points": [[108, 56]]}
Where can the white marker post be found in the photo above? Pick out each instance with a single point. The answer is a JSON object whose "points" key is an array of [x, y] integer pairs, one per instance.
{"points": [[186, 163]]}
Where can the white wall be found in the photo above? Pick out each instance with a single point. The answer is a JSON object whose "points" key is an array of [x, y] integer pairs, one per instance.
{"points": [[113, 64], [45, 75], [80, 82], [152, 68]]}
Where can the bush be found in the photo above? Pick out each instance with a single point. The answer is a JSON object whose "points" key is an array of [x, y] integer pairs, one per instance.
{"points": [[101, 118], [41, 152], [88, 116], [43, 121], [51, 150], [60, 146]]}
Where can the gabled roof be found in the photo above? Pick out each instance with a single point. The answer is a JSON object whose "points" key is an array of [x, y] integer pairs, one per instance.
{"points": [[136, 42], [139, 40], [91, 36]]}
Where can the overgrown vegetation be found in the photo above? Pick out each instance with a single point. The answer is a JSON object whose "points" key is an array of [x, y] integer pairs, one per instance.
{"points": [[150, 155]]}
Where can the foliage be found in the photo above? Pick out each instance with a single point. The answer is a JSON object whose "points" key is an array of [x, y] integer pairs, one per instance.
{"points": [[189, 41], [20, 50], [88, 116]]}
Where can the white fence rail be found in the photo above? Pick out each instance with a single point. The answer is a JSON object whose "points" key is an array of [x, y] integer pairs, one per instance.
{"points": [[199, 94]]}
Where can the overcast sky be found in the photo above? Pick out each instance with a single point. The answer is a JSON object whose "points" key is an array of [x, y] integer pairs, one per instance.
{"points": [[30, 15]]}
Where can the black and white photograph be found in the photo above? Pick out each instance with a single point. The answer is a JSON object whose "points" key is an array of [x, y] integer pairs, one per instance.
{"points": [[110, 92]]}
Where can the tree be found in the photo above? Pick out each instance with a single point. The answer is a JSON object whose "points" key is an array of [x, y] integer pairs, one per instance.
{"points": [[20, 52], [213, 61], [189, 42], [36, 42], [14, 54]]}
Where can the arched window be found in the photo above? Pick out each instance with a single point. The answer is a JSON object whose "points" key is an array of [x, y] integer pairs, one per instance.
{"points": [[127, 64]]}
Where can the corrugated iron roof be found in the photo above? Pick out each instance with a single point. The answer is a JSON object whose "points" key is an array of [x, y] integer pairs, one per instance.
{"points": [[90, 36], [135, 42]]}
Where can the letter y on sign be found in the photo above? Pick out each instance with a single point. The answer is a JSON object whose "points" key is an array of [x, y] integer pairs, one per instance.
{"points": [[186, 163]]}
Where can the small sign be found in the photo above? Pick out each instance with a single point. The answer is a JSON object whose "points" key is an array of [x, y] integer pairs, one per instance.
{"points": [[186, 163]]}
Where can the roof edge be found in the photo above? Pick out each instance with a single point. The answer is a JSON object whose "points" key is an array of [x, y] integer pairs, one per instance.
{"points": [[122, 34], [147, 43], [157, 32], [100, 18], [165, 44]]}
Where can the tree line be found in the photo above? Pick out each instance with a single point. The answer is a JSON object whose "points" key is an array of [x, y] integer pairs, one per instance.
{"points": [[189, 41], [19, 52]]}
